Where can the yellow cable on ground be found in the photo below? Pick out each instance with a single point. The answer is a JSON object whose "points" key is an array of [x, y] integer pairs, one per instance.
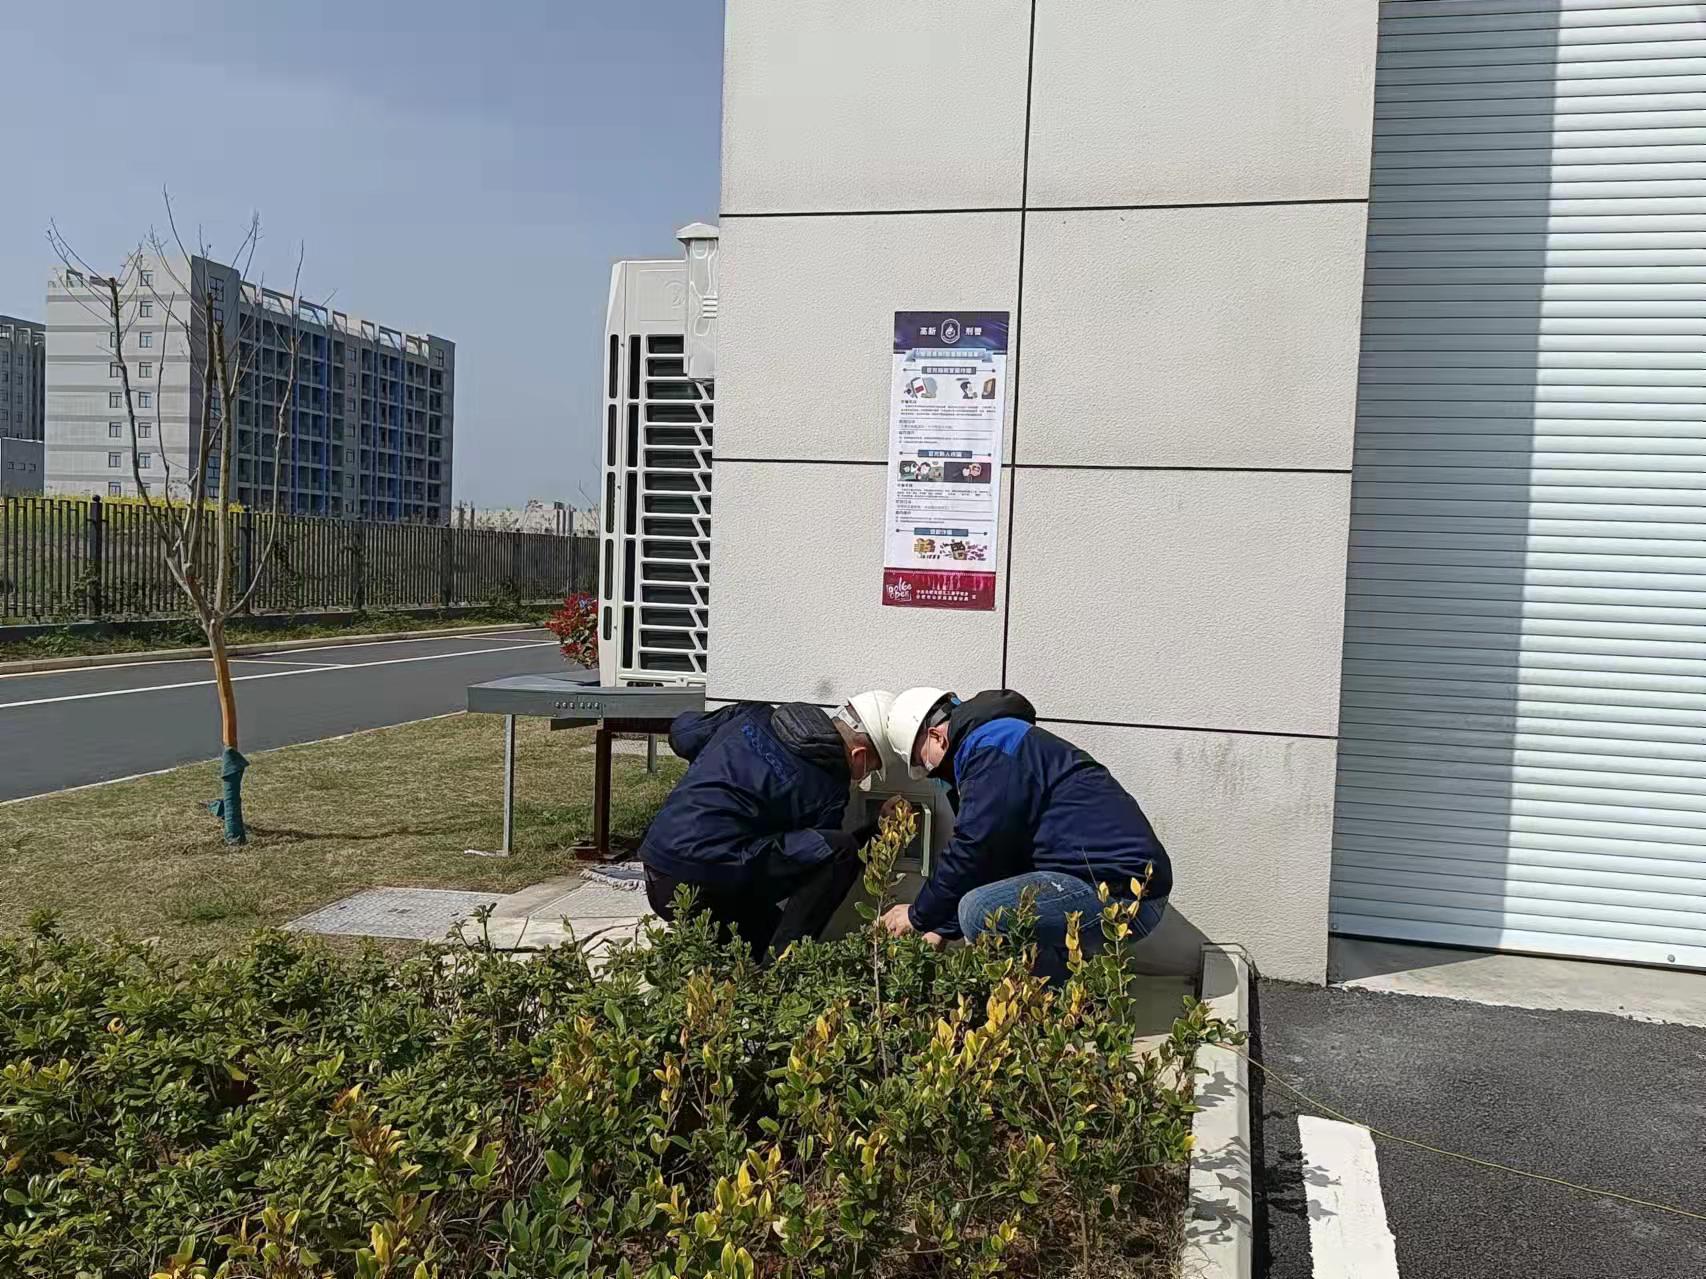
{"points": [[1468, 1159]]}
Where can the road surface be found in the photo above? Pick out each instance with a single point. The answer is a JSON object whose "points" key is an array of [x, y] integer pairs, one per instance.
{"points": [[1588, 1098], [72, 728]]}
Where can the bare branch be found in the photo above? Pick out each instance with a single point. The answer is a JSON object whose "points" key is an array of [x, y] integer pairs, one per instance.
{"points": [[251, 241], [206, 438], [222, 529], [156, 513], [74, 265], [281, 434]]}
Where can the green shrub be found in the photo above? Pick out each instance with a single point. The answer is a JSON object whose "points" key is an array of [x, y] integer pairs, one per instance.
{"points": [[290, 1112]]}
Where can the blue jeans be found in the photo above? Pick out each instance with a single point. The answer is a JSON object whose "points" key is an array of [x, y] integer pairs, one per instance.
{"points": [[1057, 896]]}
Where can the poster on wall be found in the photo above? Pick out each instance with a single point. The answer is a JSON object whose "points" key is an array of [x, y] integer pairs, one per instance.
{"points": [[946, 404]]}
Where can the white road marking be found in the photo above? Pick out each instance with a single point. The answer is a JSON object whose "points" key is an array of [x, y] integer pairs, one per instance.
{"points": [[500, 638], [323, 648], [1348, 1234], [279, 661], [315, 670]]}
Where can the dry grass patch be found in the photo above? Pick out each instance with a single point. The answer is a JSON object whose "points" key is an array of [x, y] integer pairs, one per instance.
{"points": [[396, 806]]}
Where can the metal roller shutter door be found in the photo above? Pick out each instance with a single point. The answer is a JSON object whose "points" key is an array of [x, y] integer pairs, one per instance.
{"points": [[1522, 760]]}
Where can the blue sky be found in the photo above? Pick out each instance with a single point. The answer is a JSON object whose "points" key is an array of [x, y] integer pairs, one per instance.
{"points": [[465, 169]]}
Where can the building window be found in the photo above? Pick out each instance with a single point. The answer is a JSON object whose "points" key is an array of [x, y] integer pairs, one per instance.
{"points": [[115, 430], [146, 460], [115, 369], [145, 399], [219, 315], [145, 429], [145, 339], [115, 400], [438, 358], [114, 459], [114, 489], [148, 279], [217, 288], [145, 309], [144, 369]]}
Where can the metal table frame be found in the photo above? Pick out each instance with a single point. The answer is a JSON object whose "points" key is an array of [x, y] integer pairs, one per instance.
{"points": [[573, 701]]}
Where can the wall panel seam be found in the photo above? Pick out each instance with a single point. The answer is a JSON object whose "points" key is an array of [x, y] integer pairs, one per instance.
{"points": [[1050, 208]]}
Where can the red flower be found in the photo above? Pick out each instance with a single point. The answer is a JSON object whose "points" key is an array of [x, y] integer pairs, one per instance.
{"points": [[576, 627]]}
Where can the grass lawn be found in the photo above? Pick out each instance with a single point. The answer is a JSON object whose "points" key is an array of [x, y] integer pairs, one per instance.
{"points": [[391, 807], [141, 637]]}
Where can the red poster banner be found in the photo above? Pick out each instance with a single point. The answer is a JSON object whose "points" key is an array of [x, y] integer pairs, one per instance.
{"points": [[947, 396], [934, 588]]}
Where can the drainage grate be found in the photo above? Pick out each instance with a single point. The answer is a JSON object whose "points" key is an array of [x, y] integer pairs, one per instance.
{"points": [[419, 914]]}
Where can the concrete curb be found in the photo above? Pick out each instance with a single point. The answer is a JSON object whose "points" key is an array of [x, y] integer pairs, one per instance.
{"points": [[1220, 1235], [37, 665]]}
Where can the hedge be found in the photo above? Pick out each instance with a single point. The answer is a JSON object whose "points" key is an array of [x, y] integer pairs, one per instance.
{"points": [[860, 1107]]}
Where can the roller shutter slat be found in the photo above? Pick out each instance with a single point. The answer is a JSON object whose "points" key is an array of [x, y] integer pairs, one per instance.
{"points": [[1522, 753]]}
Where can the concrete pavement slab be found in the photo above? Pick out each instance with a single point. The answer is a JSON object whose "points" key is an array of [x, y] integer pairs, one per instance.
{"points": [[418, 914], [1520, 981]]}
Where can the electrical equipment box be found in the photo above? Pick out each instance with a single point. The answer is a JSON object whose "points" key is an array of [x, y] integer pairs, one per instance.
{"points": [[655, 533], [701, 242], [915, 857]]}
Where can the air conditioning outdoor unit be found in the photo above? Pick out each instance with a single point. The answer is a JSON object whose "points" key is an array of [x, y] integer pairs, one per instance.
{"points": [[655, 553]]}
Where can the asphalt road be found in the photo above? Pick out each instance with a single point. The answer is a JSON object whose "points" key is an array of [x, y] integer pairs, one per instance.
{"points": [[72, 728], [1593, 1099]]}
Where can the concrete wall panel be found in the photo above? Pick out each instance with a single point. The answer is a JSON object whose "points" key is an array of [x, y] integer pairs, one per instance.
{"points": [[799, 547], [1221, 337], [1212, 600], [833, 104], [1247, 822], [805, 336], [1176, 101]]}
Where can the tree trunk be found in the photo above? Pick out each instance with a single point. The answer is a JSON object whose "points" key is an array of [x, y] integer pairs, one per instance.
{"points": [[231, 762]]}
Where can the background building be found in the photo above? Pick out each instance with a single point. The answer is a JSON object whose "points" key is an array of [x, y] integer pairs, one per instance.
{"points": [[372, 427], [1355, 512], [535, 516], [23, 378], [20, 466]]}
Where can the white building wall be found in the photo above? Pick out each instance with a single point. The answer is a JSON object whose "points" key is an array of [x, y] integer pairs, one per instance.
{"points": [[1179, 237], [80, 385], [363, 439]]}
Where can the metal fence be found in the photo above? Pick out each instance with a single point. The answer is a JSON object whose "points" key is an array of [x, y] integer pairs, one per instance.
{"points": [[70, 559]]}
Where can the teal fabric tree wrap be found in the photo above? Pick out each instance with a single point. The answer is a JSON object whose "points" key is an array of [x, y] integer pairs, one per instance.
{"points": [[229, 807]]}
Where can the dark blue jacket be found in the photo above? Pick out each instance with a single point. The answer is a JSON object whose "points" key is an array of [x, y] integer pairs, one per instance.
{"points": [[1025, 800], [756, 800]]}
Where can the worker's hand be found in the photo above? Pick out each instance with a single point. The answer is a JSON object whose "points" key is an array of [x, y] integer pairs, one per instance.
{"points": [[934, 941], [898, 920], [892, 805]]}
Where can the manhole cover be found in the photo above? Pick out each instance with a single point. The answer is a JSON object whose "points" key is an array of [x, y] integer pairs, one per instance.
{"points": [[419, 914]]}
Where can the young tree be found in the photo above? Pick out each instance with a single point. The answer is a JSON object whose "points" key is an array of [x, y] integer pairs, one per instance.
{"points": [[191, 510]]}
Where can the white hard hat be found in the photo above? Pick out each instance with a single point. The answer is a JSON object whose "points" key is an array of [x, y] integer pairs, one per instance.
{"points": [[905, 718], [871, 711]]}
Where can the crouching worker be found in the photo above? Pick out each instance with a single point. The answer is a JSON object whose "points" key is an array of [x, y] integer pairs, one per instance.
{"points": [[756, 820], [1031, 812]]}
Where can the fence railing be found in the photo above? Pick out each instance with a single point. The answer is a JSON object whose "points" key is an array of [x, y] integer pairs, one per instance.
{"points": [[69, 559]]}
